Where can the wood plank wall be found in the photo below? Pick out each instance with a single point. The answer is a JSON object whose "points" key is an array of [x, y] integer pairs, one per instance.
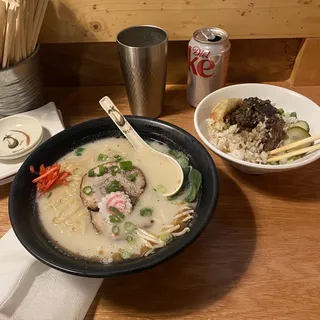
{"points": [[78, 37], [101, 20]]}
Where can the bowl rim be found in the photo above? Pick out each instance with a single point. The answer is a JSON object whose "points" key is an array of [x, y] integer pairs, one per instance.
{"points": [[35, 123], [224, 155], [136, 264]]}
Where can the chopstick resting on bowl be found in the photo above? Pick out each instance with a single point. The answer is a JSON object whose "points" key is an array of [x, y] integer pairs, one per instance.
{"points": [[295, 152]]}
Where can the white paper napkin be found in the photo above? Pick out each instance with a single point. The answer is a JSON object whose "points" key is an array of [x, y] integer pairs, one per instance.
{"points": [[52, 123], [29, 290]]}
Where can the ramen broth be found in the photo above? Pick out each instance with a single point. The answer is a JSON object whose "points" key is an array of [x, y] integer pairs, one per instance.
{"points": [[153, 220]]}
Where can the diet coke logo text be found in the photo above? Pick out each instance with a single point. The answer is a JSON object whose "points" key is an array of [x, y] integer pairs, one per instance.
{"points": [[200, 64]]}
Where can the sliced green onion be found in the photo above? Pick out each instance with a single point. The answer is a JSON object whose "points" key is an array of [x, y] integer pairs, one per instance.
{"points": [[79, 151], [87, 190], [114, 219], [293, 114], [132, 177], [114, 186], [166, 237], [146, 212], [102, 157], [115, 230], [126, 165], [114, 170], [117, 158], [125, 254], [131, 239], [129, 226], [49, 194], [102, 170], [117, 212], [161, 188], [91, 173]]}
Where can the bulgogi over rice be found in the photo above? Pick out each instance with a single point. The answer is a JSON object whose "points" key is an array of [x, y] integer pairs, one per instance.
{"points": [[249, 128]]}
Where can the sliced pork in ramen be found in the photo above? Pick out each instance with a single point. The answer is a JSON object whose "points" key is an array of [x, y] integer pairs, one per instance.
{"points": [[107, 178]]}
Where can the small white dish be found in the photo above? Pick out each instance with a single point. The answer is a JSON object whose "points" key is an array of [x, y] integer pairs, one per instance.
{"points": [[19, 135], [289, 100], [51, 121]]}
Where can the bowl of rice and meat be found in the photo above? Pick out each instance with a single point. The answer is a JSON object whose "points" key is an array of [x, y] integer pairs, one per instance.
{"points": [[243, 123]]}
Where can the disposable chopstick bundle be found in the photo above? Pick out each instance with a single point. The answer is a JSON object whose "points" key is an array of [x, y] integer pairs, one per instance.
{"points": [[20, 25], [9, 32], [3, 21]]}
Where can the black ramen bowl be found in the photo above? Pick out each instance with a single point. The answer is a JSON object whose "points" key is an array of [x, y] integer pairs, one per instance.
{"points": [[23, 211]]}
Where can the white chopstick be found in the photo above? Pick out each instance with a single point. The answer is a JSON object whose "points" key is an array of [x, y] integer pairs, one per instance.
{"points": [[295, 153], [295, 144]]}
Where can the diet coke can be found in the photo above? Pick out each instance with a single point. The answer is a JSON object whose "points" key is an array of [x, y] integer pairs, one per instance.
{"points": [[208, 59]]}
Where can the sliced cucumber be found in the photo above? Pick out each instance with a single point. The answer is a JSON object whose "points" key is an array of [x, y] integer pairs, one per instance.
{"points": [[302, 124], [295, 134]]}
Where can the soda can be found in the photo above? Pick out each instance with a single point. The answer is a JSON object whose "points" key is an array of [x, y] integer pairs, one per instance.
{"points": [[208, 59]]}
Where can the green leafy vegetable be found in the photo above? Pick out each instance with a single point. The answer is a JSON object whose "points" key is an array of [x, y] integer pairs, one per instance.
{"points": [[114, 186], [129, 226], [115, 230], [114, 170], [102, 157], [91, 173], [180, 157], [126, 165], [132, 177], [102, 170], [293, 114], [146, 212], [117, 158], [117, 212], [87, 190], [281, 111], [161, 188], [195, 180]]}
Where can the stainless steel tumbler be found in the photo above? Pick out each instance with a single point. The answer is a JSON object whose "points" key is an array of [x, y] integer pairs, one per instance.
{"points": [[21, 87], [143, 59]]}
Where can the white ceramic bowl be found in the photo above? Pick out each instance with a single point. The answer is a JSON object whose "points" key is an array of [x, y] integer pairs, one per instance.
{"points": [[19, 135], [289, 100]]}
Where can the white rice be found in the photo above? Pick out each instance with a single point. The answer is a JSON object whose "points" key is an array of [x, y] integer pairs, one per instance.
{"points": [[243, 145]]}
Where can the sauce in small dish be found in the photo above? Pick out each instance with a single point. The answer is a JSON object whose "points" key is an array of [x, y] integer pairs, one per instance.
{"points": [[19, 135]]}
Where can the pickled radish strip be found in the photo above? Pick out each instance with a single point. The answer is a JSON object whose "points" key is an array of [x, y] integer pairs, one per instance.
{"points": [[49, 177]]}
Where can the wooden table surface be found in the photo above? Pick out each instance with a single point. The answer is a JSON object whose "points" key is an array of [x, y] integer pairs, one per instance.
{"points": [[258, 259]]}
